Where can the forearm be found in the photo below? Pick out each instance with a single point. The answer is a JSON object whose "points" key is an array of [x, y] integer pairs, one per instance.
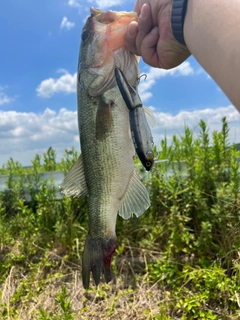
{"points": [[212, 34]]}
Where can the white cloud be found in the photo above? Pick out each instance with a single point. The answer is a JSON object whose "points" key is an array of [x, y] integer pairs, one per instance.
{"points": [[154, 74], [174, 124], [24, 134], [74, 3], [66, 24], [4, 99], [103, 4], [80, 6], [66, 83]]}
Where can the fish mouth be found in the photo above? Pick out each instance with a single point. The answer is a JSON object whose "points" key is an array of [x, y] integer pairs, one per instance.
{"points": [[105, 49], [115, 22], [111, 16], [100, 16]]}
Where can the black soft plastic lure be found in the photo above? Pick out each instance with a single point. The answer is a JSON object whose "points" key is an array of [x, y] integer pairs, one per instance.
{"points": [[141, 133]]}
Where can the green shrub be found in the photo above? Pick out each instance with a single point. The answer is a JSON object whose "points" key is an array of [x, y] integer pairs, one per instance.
{"points": [[187, 242]]}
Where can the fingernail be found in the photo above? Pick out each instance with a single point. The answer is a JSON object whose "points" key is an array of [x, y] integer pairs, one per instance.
{"points": [[143, 11]]}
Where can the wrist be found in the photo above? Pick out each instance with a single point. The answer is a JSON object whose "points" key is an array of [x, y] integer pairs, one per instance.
{"points": [[179, 10]]}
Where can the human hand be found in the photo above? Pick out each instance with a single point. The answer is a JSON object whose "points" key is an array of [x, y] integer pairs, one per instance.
{"points": [[152, 38]]}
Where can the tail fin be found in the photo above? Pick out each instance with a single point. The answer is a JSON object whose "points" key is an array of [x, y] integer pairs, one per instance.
{"points": [[97, 257]]}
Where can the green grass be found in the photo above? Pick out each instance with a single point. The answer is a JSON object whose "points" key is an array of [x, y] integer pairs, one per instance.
{"points": [[180, 260]]}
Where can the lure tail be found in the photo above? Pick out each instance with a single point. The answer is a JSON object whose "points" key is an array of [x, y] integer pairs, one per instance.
{"points": [[97, 257]]}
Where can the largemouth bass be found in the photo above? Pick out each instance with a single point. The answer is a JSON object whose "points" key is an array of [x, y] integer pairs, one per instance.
{"points": [[105, 169]]}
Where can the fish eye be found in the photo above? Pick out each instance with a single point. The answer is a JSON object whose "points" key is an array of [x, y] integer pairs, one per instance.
{"points": [[148, 163], [85, 35]]}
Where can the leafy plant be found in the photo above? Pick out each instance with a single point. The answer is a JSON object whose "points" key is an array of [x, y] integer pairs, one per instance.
{"points": [[178, 260]]}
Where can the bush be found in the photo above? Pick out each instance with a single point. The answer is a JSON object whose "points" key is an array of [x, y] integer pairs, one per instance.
{"points": [[182, 255]]}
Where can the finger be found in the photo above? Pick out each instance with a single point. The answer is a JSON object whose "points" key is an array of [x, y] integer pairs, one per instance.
{"points": [[144, 25], [149, 48], [130, 37], [137, 7]]}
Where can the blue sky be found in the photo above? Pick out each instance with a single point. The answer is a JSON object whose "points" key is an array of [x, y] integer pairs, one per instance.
{"points": [[38, 63]]}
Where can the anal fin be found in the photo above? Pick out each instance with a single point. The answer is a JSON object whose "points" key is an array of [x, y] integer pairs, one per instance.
{"points": [[136, 200]]}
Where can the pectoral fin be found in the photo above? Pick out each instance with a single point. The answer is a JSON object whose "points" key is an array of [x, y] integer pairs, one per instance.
{"points": [[151, 119], [136, 200], [74, 184]]}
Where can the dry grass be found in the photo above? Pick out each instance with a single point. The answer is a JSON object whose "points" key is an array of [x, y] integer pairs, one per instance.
{"points": [[106, 302], [128, 296]]}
